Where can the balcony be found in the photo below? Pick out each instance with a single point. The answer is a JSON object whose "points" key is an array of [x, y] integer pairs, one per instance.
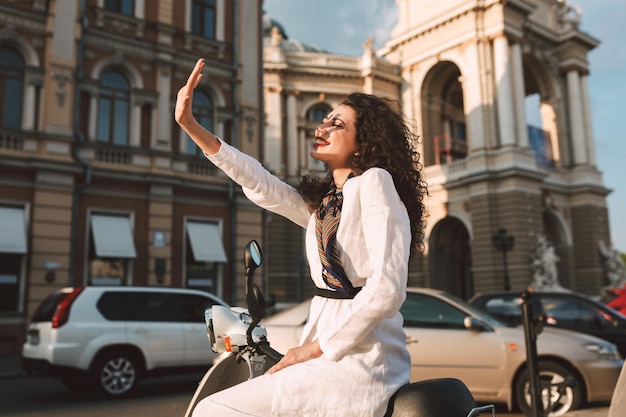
{"points": [[448, 149]]}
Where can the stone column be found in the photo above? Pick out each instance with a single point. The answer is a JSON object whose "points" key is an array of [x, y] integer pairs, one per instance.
{"points": [[134, 133], [586, 105], [32, 81], [576, 121], [93, 115], [472, 99], [504, 91], [292, 135], [164, 111], [519, 94], [273, 129]]}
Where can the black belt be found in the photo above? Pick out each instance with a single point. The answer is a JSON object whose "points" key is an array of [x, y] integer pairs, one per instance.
{"points": [[337, 295]]}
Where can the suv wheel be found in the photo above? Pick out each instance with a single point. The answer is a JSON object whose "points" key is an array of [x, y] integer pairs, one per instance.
{"points": [[559, 388], [115, 374]]}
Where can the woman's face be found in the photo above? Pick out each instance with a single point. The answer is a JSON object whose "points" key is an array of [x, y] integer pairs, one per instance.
{"points": [[335, 138]]}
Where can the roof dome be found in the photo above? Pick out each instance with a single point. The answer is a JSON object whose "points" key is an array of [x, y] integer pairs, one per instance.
{"points": [[269, 23]]}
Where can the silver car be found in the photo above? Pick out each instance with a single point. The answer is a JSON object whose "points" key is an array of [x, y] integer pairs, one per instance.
{"points": [[448, 338]]}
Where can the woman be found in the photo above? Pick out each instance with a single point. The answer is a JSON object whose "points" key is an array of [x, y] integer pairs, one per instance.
{"points": [[363, 221]]}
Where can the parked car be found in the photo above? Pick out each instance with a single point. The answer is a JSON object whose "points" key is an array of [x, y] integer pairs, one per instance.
{"points": [[615, 298], [446, 337], [567, 310], [107, 339]]}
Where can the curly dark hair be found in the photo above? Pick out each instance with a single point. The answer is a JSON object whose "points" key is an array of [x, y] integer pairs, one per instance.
{"points": [[383, 140]]}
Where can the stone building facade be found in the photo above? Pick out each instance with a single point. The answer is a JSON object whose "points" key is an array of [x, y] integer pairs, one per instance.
{"points": [[498, 93], [98, 185]]}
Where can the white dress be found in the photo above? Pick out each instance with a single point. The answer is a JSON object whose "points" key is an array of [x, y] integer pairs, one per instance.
{"points": [[365, 358]]}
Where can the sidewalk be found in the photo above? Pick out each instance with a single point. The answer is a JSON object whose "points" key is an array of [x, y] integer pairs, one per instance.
{"points": [[590, 412], [10, 367]]}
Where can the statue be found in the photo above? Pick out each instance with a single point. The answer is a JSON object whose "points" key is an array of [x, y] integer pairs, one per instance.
{"points": [[368, 46], [568, 14], [544, 260], [276, 36], [614, 265]]}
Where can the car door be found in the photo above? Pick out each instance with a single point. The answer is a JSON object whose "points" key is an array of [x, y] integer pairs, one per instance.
{"points": [[197, 346], [582, 315], [441, 346], [155, 324]]}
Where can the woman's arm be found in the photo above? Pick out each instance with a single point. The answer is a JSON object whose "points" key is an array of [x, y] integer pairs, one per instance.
{"points": [[259, 185], [183, 114]]}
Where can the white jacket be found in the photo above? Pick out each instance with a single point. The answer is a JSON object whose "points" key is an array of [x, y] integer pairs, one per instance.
{"points": [[365, 358]]}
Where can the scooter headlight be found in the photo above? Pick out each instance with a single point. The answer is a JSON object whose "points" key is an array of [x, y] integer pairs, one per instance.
{"points": [[208, 319], [228, 328]]}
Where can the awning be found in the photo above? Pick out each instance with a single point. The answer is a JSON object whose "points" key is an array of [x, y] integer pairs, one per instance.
{"points": [[206, 242], [112, 236], [12, 230]]}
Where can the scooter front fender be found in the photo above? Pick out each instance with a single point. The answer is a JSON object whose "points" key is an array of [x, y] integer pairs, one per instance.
{"points": [[225, 373]]}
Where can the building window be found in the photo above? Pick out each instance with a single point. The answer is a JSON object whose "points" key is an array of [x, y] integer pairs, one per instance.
{"points": [[111, 250], [203, 112], [11, 88], [113, 109], [203, 18], [12, 254], [125, 7], [318, 112], [204, 255], [314, 117]]}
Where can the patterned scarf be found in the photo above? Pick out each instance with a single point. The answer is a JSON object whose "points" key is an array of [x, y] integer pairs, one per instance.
{"points": [[326, 223]]}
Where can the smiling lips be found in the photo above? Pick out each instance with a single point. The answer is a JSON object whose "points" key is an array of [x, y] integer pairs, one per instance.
{"points": [[320, 142]]}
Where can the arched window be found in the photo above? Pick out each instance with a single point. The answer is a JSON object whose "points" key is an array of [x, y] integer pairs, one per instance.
{"points": [[318, 112], [113, 109], [125, 7], [203, 18], [11, 88], [314, 117], [203, 112]]}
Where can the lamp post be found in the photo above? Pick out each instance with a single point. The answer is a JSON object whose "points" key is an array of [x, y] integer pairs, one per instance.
{"points": [[504, 242]]}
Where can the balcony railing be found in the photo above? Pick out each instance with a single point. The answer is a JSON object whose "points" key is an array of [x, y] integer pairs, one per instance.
{"points": [[11, 140], [448, 149]]}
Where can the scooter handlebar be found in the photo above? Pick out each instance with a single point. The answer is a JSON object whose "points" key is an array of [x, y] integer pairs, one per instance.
{"points": [[265, 349]]}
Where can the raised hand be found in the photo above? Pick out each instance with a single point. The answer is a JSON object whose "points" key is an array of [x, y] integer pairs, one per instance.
{"points": [[183, 114], [184, 100]]}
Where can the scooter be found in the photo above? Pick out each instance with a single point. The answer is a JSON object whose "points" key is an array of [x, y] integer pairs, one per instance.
{"points": [[241, 340]]}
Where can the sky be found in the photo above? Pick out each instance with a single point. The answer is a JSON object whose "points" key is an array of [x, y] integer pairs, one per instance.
{"points": [[342, 26]]}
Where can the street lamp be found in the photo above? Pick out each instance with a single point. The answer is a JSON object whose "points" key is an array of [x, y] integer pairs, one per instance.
{"points": [[504, 242]]}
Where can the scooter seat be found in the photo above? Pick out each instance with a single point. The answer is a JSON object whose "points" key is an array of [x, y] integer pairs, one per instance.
{"points": [[444, 397]]}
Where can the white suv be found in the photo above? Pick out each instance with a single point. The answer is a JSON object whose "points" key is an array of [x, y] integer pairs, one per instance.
{"points": [[108, 338]]}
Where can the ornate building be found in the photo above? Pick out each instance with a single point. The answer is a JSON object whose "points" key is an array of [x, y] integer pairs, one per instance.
{"points": [[498, 92], [98, 185]]}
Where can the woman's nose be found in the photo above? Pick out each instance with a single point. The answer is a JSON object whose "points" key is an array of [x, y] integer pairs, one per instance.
{"points": [[323, 128]]}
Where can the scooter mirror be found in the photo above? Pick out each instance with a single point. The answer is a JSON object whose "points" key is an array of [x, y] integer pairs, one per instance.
{"points": [[252, 257], [256, 303]]}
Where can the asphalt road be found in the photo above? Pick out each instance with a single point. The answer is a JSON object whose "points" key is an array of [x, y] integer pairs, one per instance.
{"points": [[22, 396], [35, 397], [163, 397]]}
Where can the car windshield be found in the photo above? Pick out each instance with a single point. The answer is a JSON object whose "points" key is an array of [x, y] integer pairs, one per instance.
{"points": [[476, 312]]}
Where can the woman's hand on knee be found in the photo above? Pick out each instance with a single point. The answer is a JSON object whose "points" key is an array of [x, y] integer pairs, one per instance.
{"points": [[308, 351]]}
